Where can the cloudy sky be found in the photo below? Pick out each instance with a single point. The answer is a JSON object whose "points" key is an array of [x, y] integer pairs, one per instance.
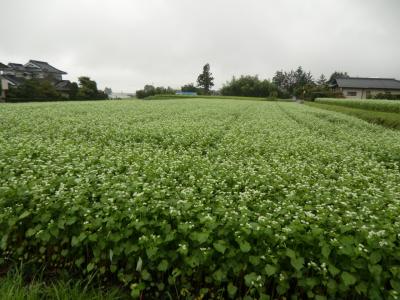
{"points": [[125, 44]]}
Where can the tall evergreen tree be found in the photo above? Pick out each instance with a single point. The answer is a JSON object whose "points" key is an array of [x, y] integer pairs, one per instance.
{"points": [[205, 79]]}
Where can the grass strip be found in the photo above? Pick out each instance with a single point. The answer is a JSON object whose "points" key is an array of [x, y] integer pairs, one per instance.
{"points": [[386, 119]]}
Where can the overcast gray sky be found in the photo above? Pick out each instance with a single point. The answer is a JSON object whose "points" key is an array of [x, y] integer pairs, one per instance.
{"points": [[125, 44]]}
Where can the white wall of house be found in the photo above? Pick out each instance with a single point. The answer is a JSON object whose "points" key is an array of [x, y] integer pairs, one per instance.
{"points": [[4, 87]]}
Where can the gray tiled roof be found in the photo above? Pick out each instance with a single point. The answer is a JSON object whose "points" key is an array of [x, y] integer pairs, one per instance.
{"points": [[369, 83], [17, 67], [46, 67], [3, 66], [63, 85], [13, 79]]}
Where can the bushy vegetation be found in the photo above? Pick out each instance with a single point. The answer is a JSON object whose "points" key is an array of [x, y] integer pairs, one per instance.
{"points": [[202, 198], [34, 89], [249, 86], [375, 105], [150, 90], [45, 90], [387, 96], [88, 90]]}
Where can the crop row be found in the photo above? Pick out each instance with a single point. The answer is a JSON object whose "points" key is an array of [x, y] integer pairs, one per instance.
{"points": [[375, 105], [203, 197]]}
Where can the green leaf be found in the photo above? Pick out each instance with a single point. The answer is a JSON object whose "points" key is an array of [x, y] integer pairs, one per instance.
{"points": [[254, 260], [145, 275], [90, 267], [297, 263], [219, 275], [325, 251], [74, 241], [290, 253], [348, 279], [333, 270], [375, 257], [250, 279], [220, 246], [264, 297], [200, 237], [163, 265], [270, 270], [30, 232], [24, 215], [136, 289], [395, 284], [151, 252], [245, 247], [232, 290], [113, 268]]}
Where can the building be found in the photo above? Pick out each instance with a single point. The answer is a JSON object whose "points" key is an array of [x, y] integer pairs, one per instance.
{"points": [[14, 74], [364, 88]]}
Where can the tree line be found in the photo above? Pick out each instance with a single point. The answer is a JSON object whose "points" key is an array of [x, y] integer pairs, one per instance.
{"points": [[42, 89], [285, 84]]}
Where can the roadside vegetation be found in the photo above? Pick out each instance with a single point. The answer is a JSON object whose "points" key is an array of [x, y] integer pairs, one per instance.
{"points": [[201, 199]]}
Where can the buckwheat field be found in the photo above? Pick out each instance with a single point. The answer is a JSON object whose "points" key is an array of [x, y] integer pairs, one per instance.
{"points": [[202, 198]]}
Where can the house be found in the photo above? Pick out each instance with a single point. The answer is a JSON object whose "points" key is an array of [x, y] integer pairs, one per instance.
{"points": [[364, 88], [14, 74], [3, 82]]}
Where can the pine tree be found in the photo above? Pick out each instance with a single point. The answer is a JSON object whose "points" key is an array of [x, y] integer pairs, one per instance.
{"points": [[205, 79]]}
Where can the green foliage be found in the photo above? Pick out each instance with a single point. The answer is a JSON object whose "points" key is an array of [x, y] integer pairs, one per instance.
{"points": [[249, 86], [337, 75], [202, 198], [293, 83], [34, 89], [150, 91], [387, 96], [88, 90], [189, 88], [205, 79]]}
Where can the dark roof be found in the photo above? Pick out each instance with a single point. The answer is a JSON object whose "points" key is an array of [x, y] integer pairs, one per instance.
{"points": [[63, 85], [3, 66], [46, 67], [369, 83], [17, 67], [13, 79]]}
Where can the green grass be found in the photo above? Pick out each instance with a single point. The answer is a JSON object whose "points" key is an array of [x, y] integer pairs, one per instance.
{"points": [[13, 286], [200, 199], [392, 106], [387, 119], [171, 97]]}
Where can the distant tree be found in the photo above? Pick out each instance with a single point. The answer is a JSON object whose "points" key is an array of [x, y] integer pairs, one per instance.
{"points": [[248, 86], [293, 83], [88, 90], [108, 91], [337, 75], [73, 91], [322, 81], [190, 88], [205, 79], [150, 90]]}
